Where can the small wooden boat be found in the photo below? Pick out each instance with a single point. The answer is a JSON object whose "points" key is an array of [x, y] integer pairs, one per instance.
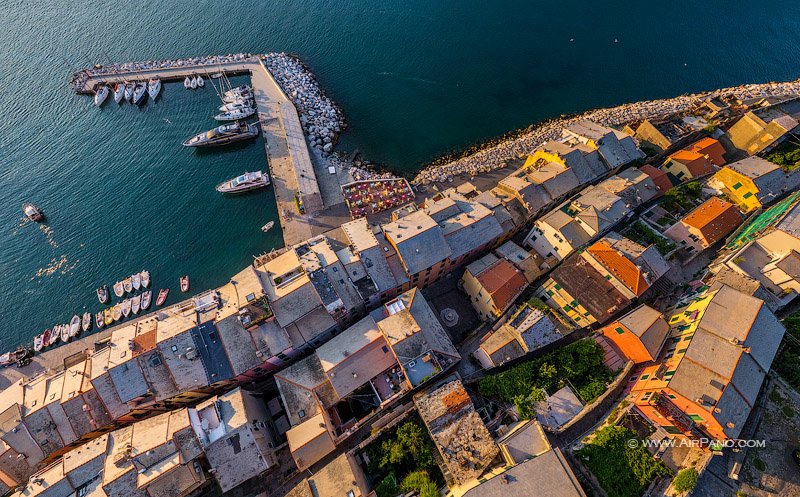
{"points": [[119, 289], [55, 335], [86, 322], [136, 281], [32, 212], [127, 284], [145, 278], [102, 294], [146, 298], [268, 226], [98, 320], [38, 343], [126, 307], [46, 338], [74, 326], [185, 283], [108, 316], [162, 296], [65, 333], [117, 312], [136, 302]]}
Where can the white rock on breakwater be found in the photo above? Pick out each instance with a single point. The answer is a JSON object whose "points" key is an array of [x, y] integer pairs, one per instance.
{"points": [[322, 120], [495, 156]]}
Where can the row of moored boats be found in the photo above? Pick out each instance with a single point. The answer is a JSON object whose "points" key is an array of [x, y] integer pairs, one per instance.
{"points": [[238, 103], [133, 92]]}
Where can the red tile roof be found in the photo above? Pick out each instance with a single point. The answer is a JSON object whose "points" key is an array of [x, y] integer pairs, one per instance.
{"points": [[697, 163], [620, 266], [715, 219], [503, 282], [710, 147], [659, 177]]}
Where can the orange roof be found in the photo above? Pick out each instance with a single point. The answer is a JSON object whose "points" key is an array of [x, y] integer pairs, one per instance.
{"points": [[695, 162], [715, 218], [503, 282], [620, 266], [712, 148]]}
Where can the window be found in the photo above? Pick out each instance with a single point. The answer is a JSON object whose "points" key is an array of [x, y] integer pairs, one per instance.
{"points": [[302, 413], [619, 330], [696, 417], [645, 376], [737, 186], [689, 337], [681, 351], [557, 286], [669, 374], [385, 349], [549, 293], [748, 195], [671, 396]]}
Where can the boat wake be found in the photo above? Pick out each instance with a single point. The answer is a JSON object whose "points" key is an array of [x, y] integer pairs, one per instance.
{"points": [[57, 264], [48, 234]]}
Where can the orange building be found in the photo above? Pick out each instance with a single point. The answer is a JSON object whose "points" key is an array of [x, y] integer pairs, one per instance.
{"points": [[717, 355], [699, 159], [639, 334], [706, 225]]}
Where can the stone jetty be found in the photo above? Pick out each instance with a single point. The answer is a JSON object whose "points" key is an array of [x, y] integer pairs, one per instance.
{"points": [[496, 155]]}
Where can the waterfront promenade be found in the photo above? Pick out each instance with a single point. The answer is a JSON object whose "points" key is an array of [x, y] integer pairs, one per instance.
{"points": [[292, 172]]}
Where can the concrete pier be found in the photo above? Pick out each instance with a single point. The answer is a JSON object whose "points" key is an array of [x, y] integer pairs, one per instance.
{"points": [[293, 178]]}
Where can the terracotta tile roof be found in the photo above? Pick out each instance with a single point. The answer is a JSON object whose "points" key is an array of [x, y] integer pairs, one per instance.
{"points": [[659, 177], [695, 162], [715, 218], [620, 266], [503, 282], [710, 147]]}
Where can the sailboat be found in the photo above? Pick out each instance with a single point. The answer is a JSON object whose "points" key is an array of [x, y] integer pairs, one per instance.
{"points": [[187, 82], [153, 88], [193, 83], [200, 81], [119, 92], [101, 95]]}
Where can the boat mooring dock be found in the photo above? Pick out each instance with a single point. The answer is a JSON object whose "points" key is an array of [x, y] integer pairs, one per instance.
{"points": [[297, 192]]}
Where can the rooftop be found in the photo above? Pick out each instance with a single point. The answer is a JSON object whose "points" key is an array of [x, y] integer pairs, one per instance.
{"points": [[715, 218]]}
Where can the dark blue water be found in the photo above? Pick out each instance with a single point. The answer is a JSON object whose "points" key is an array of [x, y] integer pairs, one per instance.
{"points": [[416, 79]]}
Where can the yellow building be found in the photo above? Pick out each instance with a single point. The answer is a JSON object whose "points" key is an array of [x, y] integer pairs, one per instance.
{"points": [[751, 182]]}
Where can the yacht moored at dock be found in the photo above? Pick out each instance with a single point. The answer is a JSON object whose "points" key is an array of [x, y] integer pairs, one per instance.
{"points": [[101, 95], [244, 183], [153, 88], [235, 115], [139, 91], [223, 135], [119, 92]]}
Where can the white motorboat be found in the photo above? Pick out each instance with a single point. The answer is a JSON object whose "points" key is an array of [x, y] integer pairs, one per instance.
{"points": [[238, 90], [235, 115], [200, 81], [74, 326], [136, 281], [146, 298], [136, 302], [244, 183], [119, 92], [129, 87], [101, 95], [268, 226], [139, 92], [223, 135], [145, 275], [187, 82], [99, 320], [243, 103], [86, 322], [33, 213], [153, 88], [65, 333], [193, 83], [126, 307], [119, 289], [38, 343]]}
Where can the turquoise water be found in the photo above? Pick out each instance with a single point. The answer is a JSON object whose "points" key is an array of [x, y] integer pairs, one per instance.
{"points": [[416, 79]]}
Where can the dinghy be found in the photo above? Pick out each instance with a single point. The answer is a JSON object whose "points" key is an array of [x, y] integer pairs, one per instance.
{"points": [[117, 312], [126, 307], [136, 301], [146, 297], [74, 326], [145, 278], [38, 343], [185, 283], [127, 284], [108, 316], [86, 322], [98, 320], [136, 281], [65, 333], [102, 294], [119, 289], [162, 296]]}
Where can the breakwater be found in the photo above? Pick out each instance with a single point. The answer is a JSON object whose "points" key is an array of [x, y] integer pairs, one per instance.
{"points": [[523, 143]]}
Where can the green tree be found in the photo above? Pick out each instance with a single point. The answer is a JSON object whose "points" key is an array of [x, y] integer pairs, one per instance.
{"points": [[387, 487], [548, 376], [686, 480], [419, 481], [410, 447]]}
